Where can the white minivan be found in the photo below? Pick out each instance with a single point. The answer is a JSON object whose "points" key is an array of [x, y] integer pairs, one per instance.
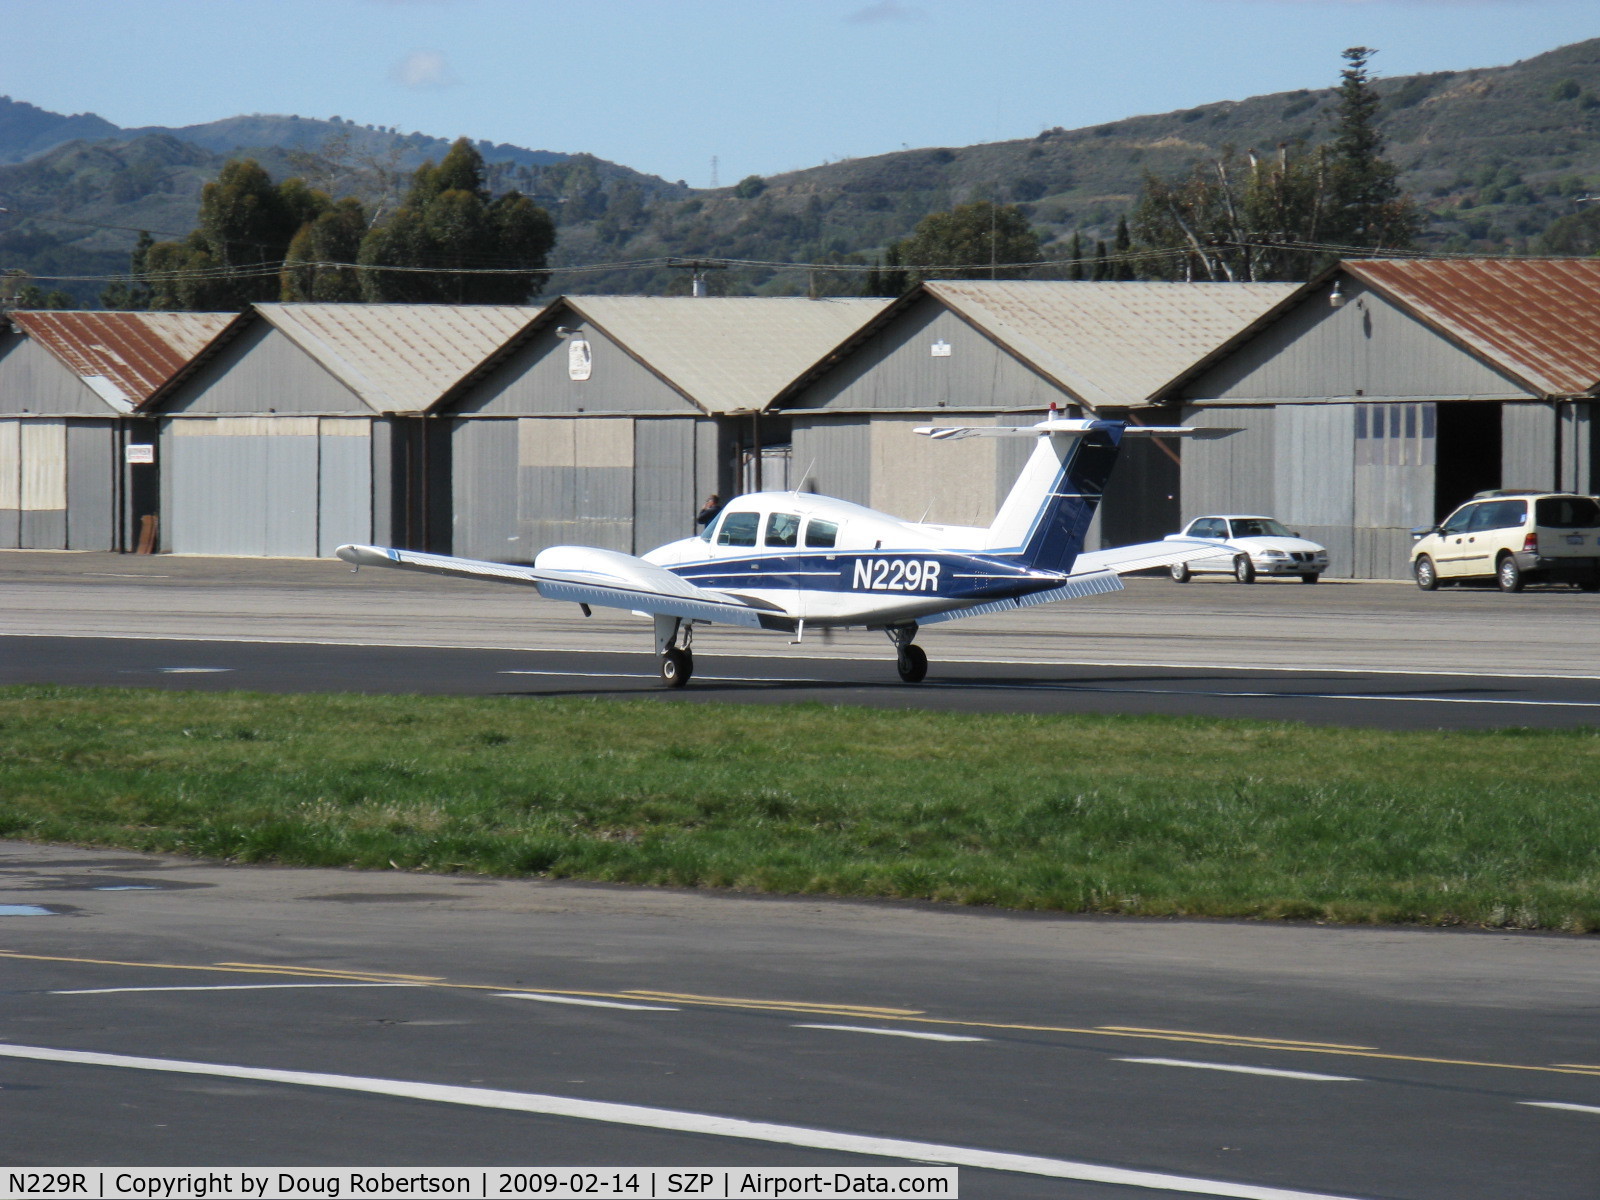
{"points": [[1513, 538]]}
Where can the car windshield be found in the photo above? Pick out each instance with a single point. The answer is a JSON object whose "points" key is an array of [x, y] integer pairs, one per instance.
{"points": [[1258, 527], [1566, 512]]}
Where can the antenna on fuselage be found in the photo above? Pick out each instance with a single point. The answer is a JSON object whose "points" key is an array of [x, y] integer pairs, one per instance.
{"points": [[799, 487]]}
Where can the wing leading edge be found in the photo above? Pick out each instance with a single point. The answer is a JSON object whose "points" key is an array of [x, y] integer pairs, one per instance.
{"points": [[610, 580]]}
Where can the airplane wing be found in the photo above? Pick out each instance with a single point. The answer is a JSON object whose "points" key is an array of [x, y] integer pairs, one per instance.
{"points": [[1144, 556], [605, 578], [1088, 584]]}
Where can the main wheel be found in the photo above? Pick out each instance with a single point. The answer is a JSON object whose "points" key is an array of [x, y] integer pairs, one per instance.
{"points": [[1508, 575], [912, 663], [1425, 573], [1309, 578], [1243, 569], [676, 667], [1180, 573]]}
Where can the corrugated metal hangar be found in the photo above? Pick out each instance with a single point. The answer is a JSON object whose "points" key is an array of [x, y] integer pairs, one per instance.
{"points": [[300, 427], [71, 384], [1003, 352], [608, 419], [1369, 400], [1379, 396]]}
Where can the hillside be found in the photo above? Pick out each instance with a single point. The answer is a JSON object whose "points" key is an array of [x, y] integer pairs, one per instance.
{"points": [[1497, 155]]}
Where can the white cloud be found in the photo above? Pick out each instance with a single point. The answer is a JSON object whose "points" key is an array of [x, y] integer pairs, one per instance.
{"points": [[423, 69], [884, 10]]}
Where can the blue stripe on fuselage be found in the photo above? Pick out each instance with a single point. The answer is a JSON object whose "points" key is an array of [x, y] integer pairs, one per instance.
{"points": [[933, 574]]}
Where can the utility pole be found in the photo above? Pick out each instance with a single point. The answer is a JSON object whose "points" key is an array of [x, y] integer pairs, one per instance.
{"points": [[699, 266]]}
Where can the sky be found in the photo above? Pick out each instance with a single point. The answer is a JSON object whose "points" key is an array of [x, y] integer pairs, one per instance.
{"points": [[762, 86]]}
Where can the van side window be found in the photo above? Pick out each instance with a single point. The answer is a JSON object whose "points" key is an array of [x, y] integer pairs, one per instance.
{"points": [[1501, 514], [738, 529], [783, 529], [821, 535]]}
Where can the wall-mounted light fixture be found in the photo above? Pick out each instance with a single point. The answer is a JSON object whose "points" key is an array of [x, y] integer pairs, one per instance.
{"points": [[1336, 297]]}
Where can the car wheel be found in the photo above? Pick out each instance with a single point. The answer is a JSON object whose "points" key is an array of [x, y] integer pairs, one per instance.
{"points": [[1243, 569], [1425, 573], [1309, 578], [1180, 573], [1508, 575]]}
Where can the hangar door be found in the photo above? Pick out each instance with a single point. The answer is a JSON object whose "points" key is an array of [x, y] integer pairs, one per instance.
{"points": [[288, 487]]}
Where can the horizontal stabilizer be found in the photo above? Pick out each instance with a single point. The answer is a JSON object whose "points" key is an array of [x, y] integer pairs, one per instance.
{"points": [[1078, 586], [1065, 427], [1145, 556]]}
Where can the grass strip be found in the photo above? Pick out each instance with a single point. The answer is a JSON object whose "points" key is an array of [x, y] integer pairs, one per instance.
{"points": [[1144, 815]]}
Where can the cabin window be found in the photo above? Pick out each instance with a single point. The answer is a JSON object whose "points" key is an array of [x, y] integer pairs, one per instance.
{"points": [[738, 529], [783, 529], [821, 535]]}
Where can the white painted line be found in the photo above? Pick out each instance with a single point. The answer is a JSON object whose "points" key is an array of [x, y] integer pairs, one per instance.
{"points": [[1211, 1066], [1091, 664], [651, 675], [225, 987], [1583, 1108], [192, 670], [927, 1037], [687, 1122], [587, 1003]]}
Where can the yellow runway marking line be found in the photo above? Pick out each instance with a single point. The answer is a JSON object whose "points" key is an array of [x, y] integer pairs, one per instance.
{"points": [[1235, 1039], [778, 1005], [911, 1016], [1578, 1066], [334, 973]]}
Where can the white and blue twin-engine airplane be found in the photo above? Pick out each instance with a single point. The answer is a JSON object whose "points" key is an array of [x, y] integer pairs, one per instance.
{"points": [[792, 561]]}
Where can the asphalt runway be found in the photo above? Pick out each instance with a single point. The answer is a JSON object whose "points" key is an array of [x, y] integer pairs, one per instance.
{"points": [[362, 1019], [1350, 698]]}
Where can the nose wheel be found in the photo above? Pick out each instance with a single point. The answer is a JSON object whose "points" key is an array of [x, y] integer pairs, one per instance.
{"points": [[909, 658]]}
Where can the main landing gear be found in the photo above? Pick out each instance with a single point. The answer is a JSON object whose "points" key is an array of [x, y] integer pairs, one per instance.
{"points": [[674, 642], [910, 660]]}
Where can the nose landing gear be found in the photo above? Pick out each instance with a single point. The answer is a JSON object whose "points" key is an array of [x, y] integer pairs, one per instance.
{"points": [[910, 660]]}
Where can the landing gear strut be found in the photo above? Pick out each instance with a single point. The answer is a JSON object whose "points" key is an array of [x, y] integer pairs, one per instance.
{"points": [[910, 660], [674, 642]]}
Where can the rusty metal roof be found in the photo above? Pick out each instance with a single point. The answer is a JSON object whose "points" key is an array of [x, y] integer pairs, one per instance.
{"points": [[727, 353], [1112, 343], [122, 356], [398, 357], [1536, 319]]}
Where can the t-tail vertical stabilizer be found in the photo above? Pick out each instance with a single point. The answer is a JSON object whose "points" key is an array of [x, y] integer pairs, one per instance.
{"points": [[1046, 515]]}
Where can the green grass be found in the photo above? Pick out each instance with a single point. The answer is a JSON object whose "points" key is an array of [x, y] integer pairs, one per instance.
{"points": [[1146, 815]]}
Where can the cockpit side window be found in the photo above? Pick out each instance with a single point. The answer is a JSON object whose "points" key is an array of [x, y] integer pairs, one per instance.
{"points": [[783, 529], [820, 534], [738, 529]]}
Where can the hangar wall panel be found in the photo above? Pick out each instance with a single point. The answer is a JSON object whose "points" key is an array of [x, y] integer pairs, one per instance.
{"points": [[344, 484], [483, 457], [32, 380], [263, 371], [1232, 474], [664, 500], [1528, 446], [10, 484], [838, 453], [43, 521], [576, 485], [1367, 347], [1577, 448], [241, 486], [1396, 450], [536, 380], [916, 478], [897, 368], [91, 486], [1315, 483]]}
